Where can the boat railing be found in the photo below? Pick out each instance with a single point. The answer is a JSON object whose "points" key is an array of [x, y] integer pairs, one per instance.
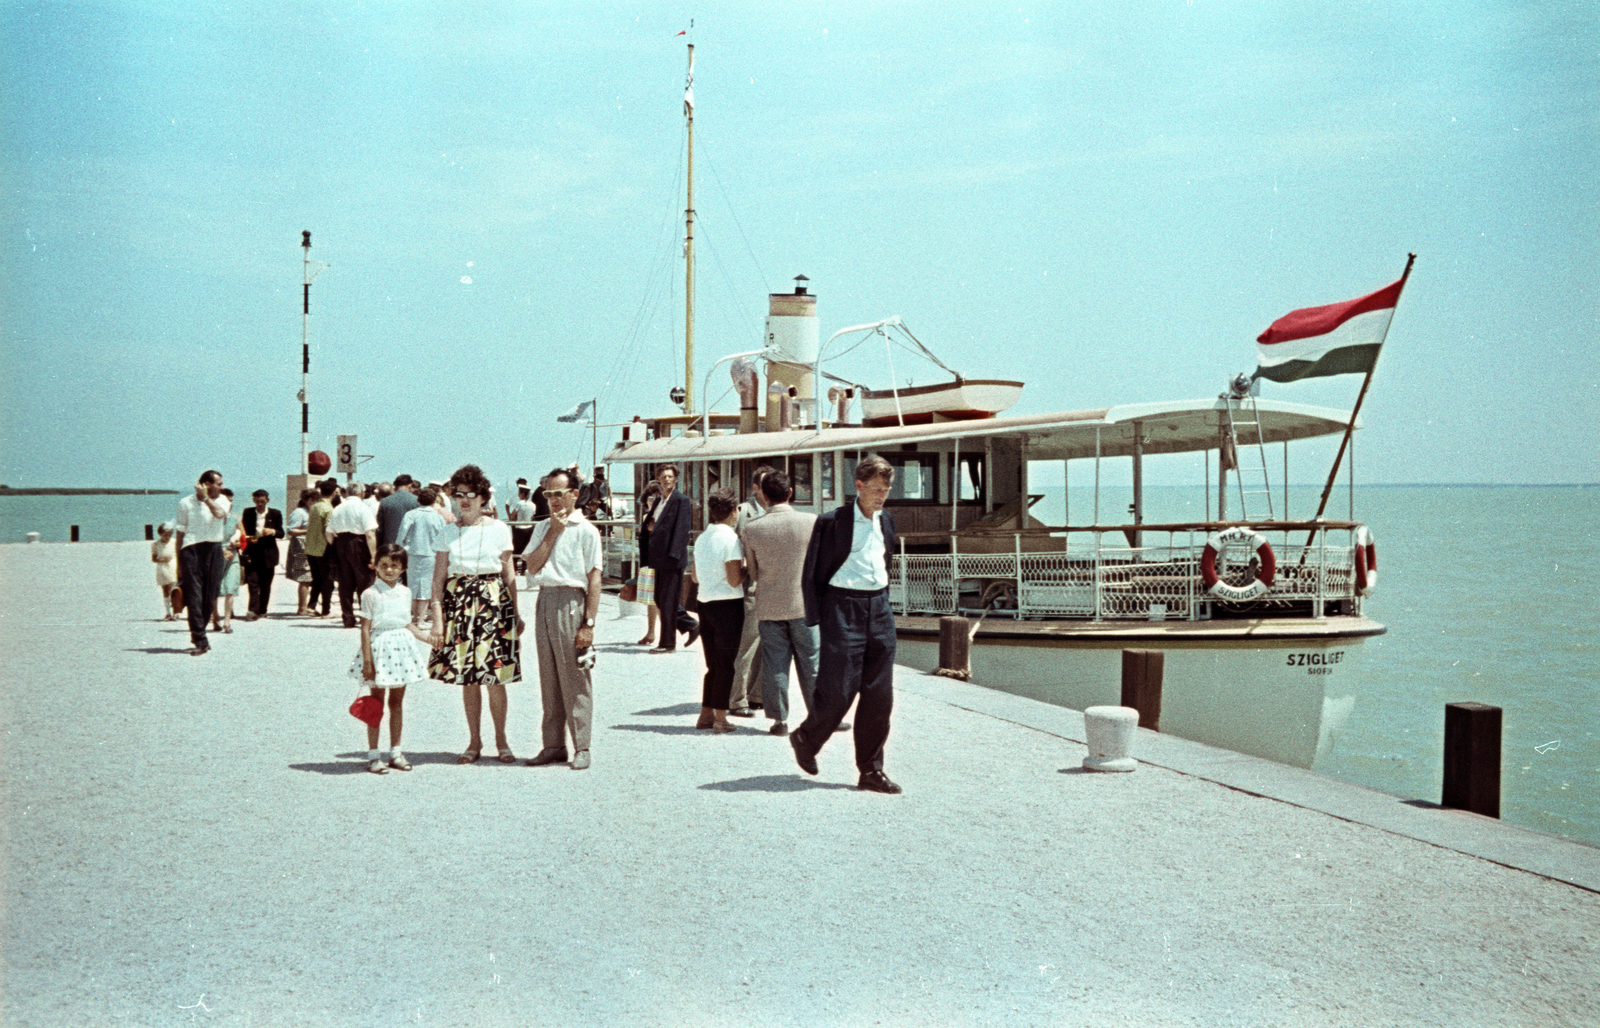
{"points": [[1095, 574]]}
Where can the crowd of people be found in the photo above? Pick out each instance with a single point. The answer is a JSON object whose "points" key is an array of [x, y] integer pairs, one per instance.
{"points": [[430, 576]]}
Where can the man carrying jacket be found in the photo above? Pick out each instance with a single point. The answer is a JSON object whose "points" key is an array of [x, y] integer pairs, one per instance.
{"points": [[846, 588]]}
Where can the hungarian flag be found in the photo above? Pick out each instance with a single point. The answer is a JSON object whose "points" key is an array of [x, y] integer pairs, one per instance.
{"points": [[1338, 339]]}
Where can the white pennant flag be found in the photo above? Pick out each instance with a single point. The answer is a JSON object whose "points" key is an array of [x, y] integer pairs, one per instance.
{"points": [[576, 413]]}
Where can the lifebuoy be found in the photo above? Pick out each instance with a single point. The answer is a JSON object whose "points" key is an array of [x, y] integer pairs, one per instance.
{"points": [[1208, 564], [1366, 561]]}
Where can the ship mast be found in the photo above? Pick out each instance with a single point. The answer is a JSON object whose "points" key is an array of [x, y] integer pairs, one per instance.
{"points": [[688, 249]]}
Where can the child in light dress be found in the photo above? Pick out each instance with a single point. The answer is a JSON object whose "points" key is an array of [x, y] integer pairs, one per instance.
{"points": [[394, 652], [165, 558]]}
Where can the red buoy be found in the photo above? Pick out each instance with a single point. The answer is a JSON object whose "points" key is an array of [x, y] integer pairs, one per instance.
{"points": [[318, 463]]}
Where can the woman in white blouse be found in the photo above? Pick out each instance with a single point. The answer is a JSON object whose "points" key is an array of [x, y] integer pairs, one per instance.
{"points": [[475, 621]]}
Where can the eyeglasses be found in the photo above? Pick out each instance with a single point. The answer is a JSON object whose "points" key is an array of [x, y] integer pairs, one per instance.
{"points": [[465, 496], [558, 492]]}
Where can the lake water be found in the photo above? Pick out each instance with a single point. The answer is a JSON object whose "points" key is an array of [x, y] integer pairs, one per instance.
{"points": [[1487, 594]]}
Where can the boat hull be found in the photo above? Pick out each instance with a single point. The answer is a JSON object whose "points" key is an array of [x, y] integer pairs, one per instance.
{"points": [[1275, 695]]}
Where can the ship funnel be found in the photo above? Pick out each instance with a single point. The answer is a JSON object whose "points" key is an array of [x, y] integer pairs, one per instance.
{"points": [[792, 341]]}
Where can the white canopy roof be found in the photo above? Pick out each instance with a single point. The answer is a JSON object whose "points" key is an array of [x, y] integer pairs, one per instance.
{"points": [[1177, 427]]}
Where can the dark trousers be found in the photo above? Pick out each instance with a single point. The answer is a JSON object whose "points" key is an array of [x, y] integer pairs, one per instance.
{"points": [[260, 573], [353, 573], [321, 579], [721, 623], [669, 596], [857, 631], [202, 577]]}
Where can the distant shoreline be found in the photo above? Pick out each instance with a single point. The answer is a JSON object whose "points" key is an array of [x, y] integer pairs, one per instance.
{"points": [[8, 491]]}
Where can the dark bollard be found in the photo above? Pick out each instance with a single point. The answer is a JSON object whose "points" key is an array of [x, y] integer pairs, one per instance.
{"points": [[74, 533], [955, 648], [149, 532], [1141, 685], [1472, 758]]}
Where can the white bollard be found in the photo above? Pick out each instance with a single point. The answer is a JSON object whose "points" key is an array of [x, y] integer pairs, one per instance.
{"points": [[1110, 738], [33, 537]]}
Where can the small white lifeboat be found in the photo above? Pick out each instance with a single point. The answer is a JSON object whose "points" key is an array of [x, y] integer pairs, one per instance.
{"points": [[962, 400]]}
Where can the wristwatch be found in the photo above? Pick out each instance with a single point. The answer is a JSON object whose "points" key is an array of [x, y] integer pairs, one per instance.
{"points": [[588, 622]]}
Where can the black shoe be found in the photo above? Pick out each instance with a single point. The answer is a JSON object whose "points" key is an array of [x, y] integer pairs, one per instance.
{"points": [[806, 758], [200, 650], [779, 728], [877, 781], [844, 726], [692, 634], [756, 706], [549, 755], [741, 712]]}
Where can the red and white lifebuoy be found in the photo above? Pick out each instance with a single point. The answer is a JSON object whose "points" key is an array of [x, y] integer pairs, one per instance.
{"points": [[1366, 561], [1264, 574]]}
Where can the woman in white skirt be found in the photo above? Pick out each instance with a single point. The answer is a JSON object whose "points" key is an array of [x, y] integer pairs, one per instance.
{"points": [[394, 652]]}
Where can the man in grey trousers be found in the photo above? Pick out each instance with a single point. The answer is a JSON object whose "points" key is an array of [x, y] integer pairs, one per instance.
{"points": [[747, 677], [774, 552], [565, 558]]}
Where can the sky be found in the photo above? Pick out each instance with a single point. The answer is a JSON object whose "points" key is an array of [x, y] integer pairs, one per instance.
{"points": [[1107, 201]]}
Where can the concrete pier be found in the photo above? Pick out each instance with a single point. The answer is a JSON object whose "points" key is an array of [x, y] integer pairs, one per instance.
{"points": [[194, 840]]}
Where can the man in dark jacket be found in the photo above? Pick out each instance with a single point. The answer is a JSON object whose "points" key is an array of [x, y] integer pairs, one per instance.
{"points": [[263, 525], [846, 586], [669, 554]]}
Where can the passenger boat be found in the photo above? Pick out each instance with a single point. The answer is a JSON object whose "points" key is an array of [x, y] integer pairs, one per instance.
{"points": [[1260, 618]]}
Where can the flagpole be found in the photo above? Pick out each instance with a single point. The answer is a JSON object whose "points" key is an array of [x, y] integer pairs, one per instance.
{"points": [[1333, 472], [688, 248], [594, 432]]}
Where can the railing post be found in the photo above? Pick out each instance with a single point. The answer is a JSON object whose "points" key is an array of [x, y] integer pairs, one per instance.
{"points": [[905, 591], [1097, 604], [955, 578], [1472, 758], [1322, 575], [1017, 556]]}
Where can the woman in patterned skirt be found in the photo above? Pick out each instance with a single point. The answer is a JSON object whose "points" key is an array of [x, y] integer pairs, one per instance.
{"points": [[475, 621]]}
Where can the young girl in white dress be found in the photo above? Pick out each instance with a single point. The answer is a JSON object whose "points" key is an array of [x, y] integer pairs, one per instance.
{"points": [[394, 652]]}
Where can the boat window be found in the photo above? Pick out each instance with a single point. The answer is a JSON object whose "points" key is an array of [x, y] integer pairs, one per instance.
{"points": [[916, 477], [827, 476], [800, 478]]}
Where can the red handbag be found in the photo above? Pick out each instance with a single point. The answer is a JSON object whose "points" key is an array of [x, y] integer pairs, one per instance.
{"points": [[367, 708]]}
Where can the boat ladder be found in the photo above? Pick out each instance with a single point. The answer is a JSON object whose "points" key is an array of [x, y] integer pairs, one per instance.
{"points": [[1245, 419]]}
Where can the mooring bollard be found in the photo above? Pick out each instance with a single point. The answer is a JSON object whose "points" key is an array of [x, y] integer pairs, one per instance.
{"points": [[1472, 758], [32, 537], [955, 653], [1141, 685], [1109, 732], [74, 533], [149, 532]]}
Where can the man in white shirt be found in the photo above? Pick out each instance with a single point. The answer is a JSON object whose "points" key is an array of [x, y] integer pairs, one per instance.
{"points": [[200, 527], [353, 529], [846, 587], [565, 559]]}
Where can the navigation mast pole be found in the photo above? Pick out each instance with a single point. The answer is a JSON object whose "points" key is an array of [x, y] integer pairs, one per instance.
{"points": [[305, 357], [688, 247]]}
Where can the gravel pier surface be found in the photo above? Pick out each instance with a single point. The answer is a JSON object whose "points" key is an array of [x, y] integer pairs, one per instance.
{"points": [[195, 840]]}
